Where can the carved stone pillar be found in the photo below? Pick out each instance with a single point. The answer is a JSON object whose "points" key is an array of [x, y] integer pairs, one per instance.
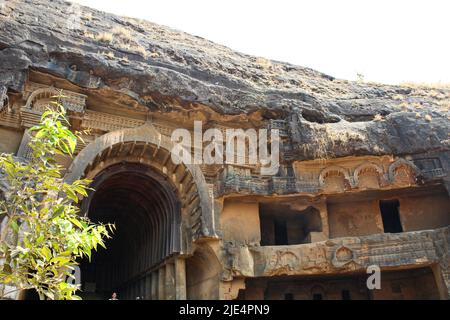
{"points": [[323, 209], [148, 287], [440, 277], [170, 281], [161, 283], [180, 276], [24, 150], [154, 286]]}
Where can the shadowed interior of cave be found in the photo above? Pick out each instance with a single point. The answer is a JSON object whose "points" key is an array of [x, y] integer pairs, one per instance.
{"points": [[145, 211], [390, 216], [281, 225], [413, 284]]}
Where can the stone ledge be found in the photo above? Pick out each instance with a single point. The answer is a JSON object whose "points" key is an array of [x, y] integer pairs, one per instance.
{"points": [[341, 255]]}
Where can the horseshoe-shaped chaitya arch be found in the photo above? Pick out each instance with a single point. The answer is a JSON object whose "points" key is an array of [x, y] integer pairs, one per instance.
{"points": [[366, 166], [39, 94], [146, 145], [334, 168], [70, 100], [399, 162]]}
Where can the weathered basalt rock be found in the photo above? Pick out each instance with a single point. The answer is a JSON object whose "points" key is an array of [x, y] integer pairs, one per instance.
{"points": [[166, 70]]}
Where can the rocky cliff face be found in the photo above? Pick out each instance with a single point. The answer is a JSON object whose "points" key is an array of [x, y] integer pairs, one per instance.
{"points": [[155, 66]]}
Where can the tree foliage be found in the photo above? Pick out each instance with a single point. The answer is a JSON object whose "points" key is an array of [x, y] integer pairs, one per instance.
{"points": [[43, 234]]}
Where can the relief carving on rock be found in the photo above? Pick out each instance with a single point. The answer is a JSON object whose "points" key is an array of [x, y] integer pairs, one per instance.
{"points": [[334, 179], [316, 259], [283, 263], [343, 256], [368, 175], [403, 173]]}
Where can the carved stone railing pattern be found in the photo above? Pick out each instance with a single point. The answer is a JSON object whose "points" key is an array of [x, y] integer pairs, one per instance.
{"points": [[24, 149], [283, 184], [307, 186], [446, 276], [281, 125], [29, 118], [10, 118], [434, 173], [269, 185], [163, 129], [107, 122], [245, 184], [341, 255]]}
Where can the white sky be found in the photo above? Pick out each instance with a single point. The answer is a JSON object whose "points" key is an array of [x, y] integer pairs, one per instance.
{"points": [[385, 40]]}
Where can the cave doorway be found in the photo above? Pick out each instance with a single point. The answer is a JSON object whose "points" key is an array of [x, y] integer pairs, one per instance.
{"points": [[391, 216], [280, 232], [145, 209]]}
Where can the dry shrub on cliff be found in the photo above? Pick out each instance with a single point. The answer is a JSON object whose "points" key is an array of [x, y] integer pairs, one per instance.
{"points": [[124, 39], [135, 48], [87, 16], [426, 85], [378, 117], [342, 137], [444, 105], [108, 54], [404, 106], [104, 37], [263, 63], [437, 91], [122, 32], [88, 34]]}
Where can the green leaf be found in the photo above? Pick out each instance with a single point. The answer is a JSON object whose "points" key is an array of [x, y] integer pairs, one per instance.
{"points": [[58, 211], [27, 242], [81, 190], [46, 253], [71, 195], [72, 144], [14, 226], [40, 239], [60, 260], [76, 222]]}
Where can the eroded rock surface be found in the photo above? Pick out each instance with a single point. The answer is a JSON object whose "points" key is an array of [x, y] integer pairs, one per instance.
{"points": [[134, 60]]}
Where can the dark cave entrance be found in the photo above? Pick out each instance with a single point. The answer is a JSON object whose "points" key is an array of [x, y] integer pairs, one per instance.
{"points": [[146, 211]]}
